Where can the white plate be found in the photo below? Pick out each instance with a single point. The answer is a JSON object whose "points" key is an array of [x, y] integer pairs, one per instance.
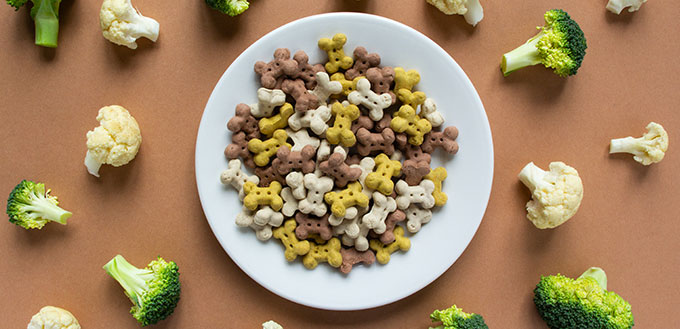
{"points": [[434, 248]]}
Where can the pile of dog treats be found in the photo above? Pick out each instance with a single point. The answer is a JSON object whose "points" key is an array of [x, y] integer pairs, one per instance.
{"points": [[339, 160]]}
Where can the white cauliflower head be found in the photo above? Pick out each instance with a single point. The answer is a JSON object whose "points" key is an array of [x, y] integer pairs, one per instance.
{"points": [[122, 24], [51, 317], [271, 325], [556, 194], [116, 140], [648, 149], [470, 9], [617, 6]]}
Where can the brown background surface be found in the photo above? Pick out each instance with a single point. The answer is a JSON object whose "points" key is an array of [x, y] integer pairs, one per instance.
{"points": [[628, 221]]}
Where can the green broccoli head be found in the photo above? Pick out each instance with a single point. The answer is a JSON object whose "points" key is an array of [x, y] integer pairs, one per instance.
{"points": [[31, 206], [45, 14], [454, 318], [229, 7], [560, 45], [154, 290], [583, 303]]}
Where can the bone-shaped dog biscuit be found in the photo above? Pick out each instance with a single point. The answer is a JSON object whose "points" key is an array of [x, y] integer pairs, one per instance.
{"points": [[383, 251], [294, 247], [336, 55], [277, 121], [341, 132], [267, 101], [351, 196], [421, 194], [381, 178], [262, 196], [329, 252], [370, 100], [266, 149]]}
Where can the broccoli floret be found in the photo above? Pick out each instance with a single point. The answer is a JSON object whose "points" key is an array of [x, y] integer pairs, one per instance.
{"points": [[229, 7], [454, 318], [559, 45], [154, 290], [45, 14], [31, 206], [584, 303]]}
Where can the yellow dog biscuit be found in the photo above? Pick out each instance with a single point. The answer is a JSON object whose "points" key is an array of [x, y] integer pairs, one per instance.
{"points": [[262, 196], [265, 150], [336, 55], [341, 132], [437, 176], [406, 120], [381, 179], [294, 247], [412, 99], [277, 121], [350, 196], [405, 80], [329, 252], [383, 251], [348, 86]]}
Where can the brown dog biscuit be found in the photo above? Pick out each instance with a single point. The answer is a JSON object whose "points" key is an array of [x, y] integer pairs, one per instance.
{"points": [[304, 100], [287, 160], [383, 123], [244, 121], [239, 148], [281, 65], [353, 158], [381, 80], [336, 167], [368, 142], [445, 139], [362, 62], [268, 175], [364, 121], [414, 171], [304, 70], [308, 225], [351, 257], [411, 151]]}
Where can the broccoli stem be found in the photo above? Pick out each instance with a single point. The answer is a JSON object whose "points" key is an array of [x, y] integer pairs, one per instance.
{"points": [[46, 18], [596, 274], [522, 56], [131, 278], [45, 208]]}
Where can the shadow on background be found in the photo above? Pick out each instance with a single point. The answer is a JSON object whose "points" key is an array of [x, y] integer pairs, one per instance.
{"points": [[353, 5]]}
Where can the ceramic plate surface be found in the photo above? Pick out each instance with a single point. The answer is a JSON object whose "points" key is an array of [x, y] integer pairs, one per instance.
{"points": [[439, 243]]}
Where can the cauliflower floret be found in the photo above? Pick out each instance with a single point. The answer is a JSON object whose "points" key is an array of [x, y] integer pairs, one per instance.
{"points": [[271, 325], [122, 24], [556, 194], [116, 140], [616, 6], [51, 317], [648, 149], [470, 9]]}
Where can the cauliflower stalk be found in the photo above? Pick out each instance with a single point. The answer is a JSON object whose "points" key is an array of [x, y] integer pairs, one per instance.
{"points": [[51, 317], [122, 24], [116, 140], [470, 9], [617, 6], [648, 149], [556, 194]]}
